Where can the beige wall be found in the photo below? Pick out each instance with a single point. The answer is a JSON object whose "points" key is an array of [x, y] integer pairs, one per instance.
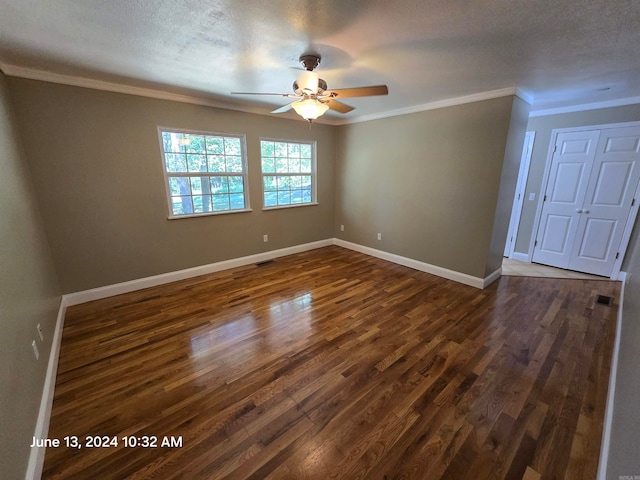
{"points": [[29, 294], [427, 181], [95, 160], [508, 181], [543, 127], [623, 453]]}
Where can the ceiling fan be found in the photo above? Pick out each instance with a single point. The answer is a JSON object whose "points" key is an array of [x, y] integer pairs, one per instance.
{"points": [[313, 96]]}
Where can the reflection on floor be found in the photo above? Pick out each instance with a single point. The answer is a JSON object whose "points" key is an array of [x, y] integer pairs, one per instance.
{"points": [[522, 269]]}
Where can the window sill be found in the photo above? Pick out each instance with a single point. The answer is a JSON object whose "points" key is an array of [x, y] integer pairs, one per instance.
{"points": [[295, 205], [208, 214]]}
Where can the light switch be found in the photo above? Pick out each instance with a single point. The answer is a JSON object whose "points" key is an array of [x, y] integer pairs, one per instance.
{"points": [[532, 197]]}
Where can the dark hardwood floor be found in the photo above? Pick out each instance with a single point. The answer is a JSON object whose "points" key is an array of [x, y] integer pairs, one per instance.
{"points": [[333, 364]]}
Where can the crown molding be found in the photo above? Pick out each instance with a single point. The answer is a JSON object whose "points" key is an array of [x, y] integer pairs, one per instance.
{"points": [[524, 95], [450, 102], [621, 102], [44, 76], [41, 75]]}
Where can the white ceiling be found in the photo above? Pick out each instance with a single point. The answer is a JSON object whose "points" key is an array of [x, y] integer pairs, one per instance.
{"points": [[557, 53]]}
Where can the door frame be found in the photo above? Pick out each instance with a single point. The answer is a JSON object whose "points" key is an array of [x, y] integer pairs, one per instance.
{"points": [[518, 197], [624, 242]]}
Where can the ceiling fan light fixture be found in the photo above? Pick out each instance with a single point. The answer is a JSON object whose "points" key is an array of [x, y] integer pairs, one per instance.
{"points": [[309, 108]]}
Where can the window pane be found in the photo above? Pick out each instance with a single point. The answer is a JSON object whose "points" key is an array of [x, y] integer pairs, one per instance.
{"points": [[197, 163], [282, 165], [219, 184], [306, 181], [232, 146], [217, 164], [270, 183], [296, 181], [215, 145], [179, 186], [305, 150], [284, 183], [194, 143], [294, 150], [236, 184], [201, 203], [182, 205], [196, 185], [296, 196], [175, 163], [220, 202], [294, 165], [267, 149], [234, 163], [268, 165], [306, 196], [270, 199], [284, 197], [236, 200], [281, 149], [305, 165], [172, 142]]}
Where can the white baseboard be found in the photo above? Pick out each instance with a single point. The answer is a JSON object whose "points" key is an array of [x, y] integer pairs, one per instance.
{"points": [[36, 457], [422, 266], [608, 415], [139, 284], [489, 279], [521, 257]]}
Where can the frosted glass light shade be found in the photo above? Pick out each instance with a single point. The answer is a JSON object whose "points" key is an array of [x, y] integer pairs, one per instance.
{"points": [[309, 109]]}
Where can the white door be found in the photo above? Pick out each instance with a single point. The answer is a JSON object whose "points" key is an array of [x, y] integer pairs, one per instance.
{"points": [[608, 201], [570, 168], [516, 210]]}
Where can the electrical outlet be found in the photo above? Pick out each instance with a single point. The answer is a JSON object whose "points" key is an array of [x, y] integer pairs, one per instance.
{"points": [[379, 236], [39, 328], [35, 349], [342, 228], [265, 238]]}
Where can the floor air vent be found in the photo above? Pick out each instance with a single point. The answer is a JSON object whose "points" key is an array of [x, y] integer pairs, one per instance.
{"points": [[604, 300]]}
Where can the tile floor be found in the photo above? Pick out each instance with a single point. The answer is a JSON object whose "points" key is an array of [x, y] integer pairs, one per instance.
{"points": [[522, 269]]}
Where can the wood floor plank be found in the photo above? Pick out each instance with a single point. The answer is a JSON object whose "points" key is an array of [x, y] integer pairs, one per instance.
{"points": [[333, 364]]}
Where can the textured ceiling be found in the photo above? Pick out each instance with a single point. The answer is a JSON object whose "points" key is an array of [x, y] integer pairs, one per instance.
{"points": [[558, 53]]}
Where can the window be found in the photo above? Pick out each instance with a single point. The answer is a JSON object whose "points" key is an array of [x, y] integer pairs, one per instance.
{"points": [[205, 173], [288, 173]]}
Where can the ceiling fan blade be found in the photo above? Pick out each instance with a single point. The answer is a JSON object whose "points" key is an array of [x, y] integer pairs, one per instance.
{"points": [[284, 108], [260, 93], [359, 91], [338, 106]]}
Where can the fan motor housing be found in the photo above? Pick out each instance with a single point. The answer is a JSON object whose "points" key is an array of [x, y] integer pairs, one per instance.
{"points": [[309, 61], [322, 87]]}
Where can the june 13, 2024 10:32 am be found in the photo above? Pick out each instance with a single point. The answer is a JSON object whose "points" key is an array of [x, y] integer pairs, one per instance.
{"points": [[108, 441]]}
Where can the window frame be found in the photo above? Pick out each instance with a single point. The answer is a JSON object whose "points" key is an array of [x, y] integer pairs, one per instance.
{"points": [[205, 175], [313, 174]]}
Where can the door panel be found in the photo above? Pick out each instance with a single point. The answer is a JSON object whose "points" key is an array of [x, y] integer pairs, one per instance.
{"points": [[612, 184], [557, 231], [596, 241], [566, 189]]}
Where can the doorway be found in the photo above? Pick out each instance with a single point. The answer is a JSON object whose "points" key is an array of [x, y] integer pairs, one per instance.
{"points": [[518, 199], [589, 203]]}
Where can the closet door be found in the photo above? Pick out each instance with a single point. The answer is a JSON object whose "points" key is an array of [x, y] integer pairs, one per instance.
{"points": [[609, 195], [561, 212]]}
